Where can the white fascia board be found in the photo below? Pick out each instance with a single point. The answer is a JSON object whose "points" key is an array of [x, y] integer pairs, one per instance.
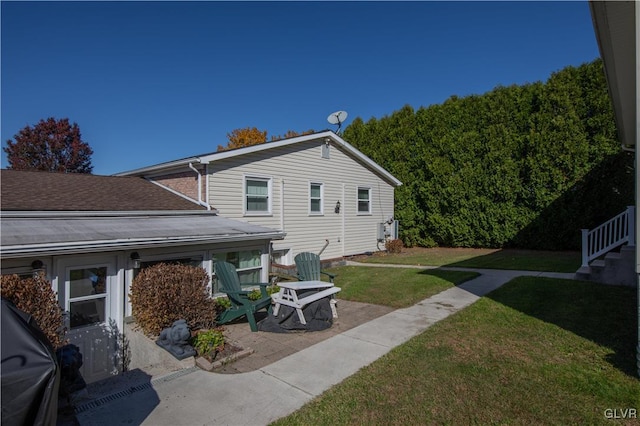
{"points": [[215, 156], [12, 252], [162, 167], [88, 213], [285, 142], [616, 33]]}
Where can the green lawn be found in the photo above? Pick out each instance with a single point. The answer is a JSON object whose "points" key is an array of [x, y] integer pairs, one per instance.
{"points": [[528, 260], [395, 287], [536, 351]]}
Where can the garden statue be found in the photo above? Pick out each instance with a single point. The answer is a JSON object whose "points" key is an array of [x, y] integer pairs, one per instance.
{"points": [[175, 340]]}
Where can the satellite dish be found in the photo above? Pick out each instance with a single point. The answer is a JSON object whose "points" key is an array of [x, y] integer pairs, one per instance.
{"points": [[338, 118]]}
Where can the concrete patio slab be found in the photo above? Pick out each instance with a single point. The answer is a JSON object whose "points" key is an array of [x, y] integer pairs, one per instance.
{"points": [[316, 369]]}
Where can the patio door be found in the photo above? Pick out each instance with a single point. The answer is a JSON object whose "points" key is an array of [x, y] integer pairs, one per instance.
{"points": [[90, 300]]}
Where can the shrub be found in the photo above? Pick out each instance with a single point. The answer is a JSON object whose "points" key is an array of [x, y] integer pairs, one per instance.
{"points": [[256, 294], [164, 293], [223, 303], [520, 166], [394, 246], [208, 342], [36, 297]]}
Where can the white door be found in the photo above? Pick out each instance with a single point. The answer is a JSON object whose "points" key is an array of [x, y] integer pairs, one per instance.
{"points": [[90, 298]]}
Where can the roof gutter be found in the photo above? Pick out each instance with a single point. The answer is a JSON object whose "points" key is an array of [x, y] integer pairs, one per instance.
{"points": [[96, 214], [158, 167], [12, 252]]}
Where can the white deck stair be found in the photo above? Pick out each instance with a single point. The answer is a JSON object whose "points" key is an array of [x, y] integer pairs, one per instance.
{"points": [[608, 251]]}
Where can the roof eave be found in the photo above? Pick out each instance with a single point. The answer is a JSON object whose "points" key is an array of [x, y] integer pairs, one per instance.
{"points": [[217, 156], [159, 167], [80, 247], [284, 142], [102, 213], [615, 30]]}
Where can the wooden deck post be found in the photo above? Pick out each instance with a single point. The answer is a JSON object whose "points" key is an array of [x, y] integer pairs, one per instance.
{"points": [[585, 247], [631, 218]]}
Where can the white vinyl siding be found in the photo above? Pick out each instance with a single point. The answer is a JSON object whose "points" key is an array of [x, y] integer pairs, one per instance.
{"points": [[257, 195], [293, 168], [316, 202]]}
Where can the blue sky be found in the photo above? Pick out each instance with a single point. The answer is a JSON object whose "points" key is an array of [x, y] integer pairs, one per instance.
{"points": [[149, 82]]}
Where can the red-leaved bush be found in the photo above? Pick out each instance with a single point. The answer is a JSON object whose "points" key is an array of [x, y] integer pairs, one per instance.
{"points": [[36, 297], [164, 293]]}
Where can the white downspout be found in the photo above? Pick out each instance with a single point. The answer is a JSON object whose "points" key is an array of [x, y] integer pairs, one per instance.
{"points": [[342, 219], [199, 187], [637, 160], [282, 204], [206, 184]]}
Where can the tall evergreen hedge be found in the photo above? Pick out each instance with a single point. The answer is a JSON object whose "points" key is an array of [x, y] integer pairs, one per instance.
{"points": [[521, 166]]}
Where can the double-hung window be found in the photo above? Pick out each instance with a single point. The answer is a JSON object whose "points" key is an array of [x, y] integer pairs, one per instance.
{"points": [[316, 203], [87, 296], [364, 200], [257, 193]]}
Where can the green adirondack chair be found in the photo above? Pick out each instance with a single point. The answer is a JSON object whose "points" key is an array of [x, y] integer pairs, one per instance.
{"points": [[308, 266], [241, 305]]}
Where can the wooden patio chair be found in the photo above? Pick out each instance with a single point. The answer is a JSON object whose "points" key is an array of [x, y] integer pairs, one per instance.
{"points": [[309, 269], [241, 305]]}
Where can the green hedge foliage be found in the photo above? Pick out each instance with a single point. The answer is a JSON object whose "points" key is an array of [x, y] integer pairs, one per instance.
{"points": [[521, 166]]}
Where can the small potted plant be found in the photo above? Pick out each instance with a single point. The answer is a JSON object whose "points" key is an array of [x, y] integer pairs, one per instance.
{"points": [[209, 343]]}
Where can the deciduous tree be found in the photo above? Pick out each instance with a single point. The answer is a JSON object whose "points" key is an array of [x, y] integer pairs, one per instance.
{"points": [[51, 145], [292, 134], [247, 136]]}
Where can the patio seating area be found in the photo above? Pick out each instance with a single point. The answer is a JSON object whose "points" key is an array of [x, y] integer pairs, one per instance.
{"points": [[271, 347]]}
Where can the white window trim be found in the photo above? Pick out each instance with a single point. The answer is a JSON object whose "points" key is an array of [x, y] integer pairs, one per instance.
{"points": [[321, 212], [68, 299], [362, 213], [213, 254], [269, 181]]}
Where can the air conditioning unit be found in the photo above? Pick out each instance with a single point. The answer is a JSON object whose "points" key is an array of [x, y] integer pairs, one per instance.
{"points": [[395, 230]]}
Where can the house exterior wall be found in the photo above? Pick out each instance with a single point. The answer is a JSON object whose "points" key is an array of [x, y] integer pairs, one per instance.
{"points": [[184, 182], [120, 277], [291, 169]]}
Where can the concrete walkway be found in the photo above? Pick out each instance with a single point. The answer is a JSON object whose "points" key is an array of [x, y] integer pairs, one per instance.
{"points": [[196, 397]]}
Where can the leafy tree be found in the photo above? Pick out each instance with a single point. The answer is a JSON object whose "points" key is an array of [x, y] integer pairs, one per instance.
{"points": [[291, 134], [247, 136], [521, 166], [51, 145]]}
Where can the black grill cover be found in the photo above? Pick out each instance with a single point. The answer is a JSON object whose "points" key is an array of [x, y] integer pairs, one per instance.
{"points": [[317, 314], [30, 374]]}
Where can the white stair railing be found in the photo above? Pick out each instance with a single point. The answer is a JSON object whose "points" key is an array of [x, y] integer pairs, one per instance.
{"points": [[609, 235]]}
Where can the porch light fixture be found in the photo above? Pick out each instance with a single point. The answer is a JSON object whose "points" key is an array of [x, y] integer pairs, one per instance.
{"points": [[37, 266], [337, 209], [135, 258]]}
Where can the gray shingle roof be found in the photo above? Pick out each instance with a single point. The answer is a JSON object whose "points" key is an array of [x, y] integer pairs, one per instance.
{"points": [[62, 234], [46, 191]]}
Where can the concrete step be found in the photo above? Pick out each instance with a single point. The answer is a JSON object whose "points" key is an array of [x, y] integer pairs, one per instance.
{"points": [[612, 259], [616, 268], [583, 274]]}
